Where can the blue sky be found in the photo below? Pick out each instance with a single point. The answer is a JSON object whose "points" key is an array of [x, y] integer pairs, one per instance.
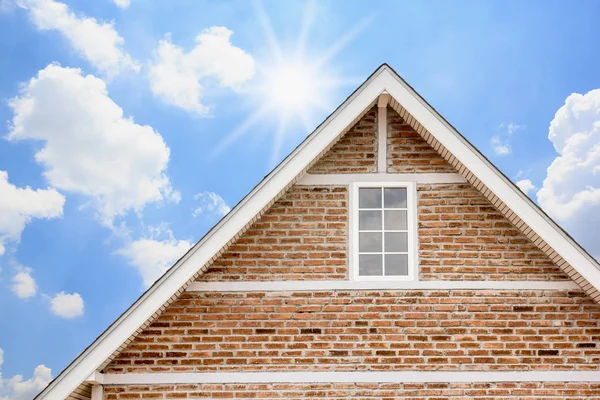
{"points": [[110, 214]]}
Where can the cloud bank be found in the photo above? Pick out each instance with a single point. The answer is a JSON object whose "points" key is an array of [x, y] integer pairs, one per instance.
{"points": [[89, 147], [178, 78]]}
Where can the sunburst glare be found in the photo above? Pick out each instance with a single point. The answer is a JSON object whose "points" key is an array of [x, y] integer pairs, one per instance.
{"points": [[294, 86], [291, 86]]}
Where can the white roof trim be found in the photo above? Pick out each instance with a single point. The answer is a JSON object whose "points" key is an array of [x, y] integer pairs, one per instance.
{"points": [[384, 79], [396, 285], [185, 378]]}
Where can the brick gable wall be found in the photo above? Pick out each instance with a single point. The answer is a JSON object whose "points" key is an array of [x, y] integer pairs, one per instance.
{"points": [[408, 152], [304, 236], [408, 391], [463, 237], [356, 151], [370, 330]]}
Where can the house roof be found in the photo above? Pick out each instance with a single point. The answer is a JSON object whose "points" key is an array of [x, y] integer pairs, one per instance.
{"points": [[478, 170]]}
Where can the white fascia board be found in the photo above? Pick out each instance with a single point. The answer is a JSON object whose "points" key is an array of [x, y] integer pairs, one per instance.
{"points": [[300, 286], [217, 238], [492, 178], [351, 377], [346, 179]]}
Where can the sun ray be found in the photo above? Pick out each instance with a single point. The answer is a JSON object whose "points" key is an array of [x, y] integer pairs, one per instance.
{"points": [[343, 41], [307, 21], [232, 137], [320, 104], [292, 88], [331, 82], [265, 23], [278, 141], [306, 120]]}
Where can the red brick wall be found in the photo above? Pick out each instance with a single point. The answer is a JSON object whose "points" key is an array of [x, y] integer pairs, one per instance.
{"points": [[303, 236], [414, 391], [407, 151], [356, 152], [370, 330], [463, 237]]}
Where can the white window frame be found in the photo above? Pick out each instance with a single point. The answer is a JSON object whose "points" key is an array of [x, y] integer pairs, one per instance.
{"points": [[411, 205]]}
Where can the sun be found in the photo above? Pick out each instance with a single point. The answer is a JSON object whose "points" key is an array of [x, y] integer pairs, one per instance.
{"points": [[294, 86], [296, 90], [291, 86]]}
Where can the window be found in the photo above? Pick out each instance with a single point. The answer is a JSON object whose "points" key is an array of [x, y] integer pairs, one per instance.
{"points": [[383, 231]]}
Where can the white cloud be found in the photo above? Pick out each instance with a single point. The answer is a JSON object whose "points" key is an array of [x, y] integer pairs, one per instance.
{"points": [[525, 185], [500, 147], [18, 206], [511, 128], [152, 257], [210, 203], [90, 148], [177, 77], [67, 305], [98, 42], [571, 191], [23, 284], [501, 143], [122, 3], [16, 388]]}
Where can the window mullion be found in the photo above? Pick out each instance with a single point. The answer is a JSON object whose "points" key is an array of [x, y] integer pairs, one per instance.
{"points": [[382, 234]]}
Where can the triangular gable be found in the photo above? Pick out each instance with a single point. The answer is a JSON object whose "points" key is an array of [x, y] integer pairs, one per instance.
{"points": [[453, 147]]}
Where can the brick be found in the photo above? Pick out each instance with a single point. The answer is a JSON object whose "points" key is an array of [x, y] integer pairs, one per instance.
{"points": [[355, 152], [402, 328], [450, 253], [305, 249], [407, 152]]}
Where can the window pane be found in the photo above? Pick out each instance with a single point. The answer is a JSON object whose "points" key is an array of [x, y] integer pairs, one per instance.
{"points": [[396, 241], [369, 198], [370, 265], [395, 197], [370, 242], [396, 264], [395, 220], [369, 220]]}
